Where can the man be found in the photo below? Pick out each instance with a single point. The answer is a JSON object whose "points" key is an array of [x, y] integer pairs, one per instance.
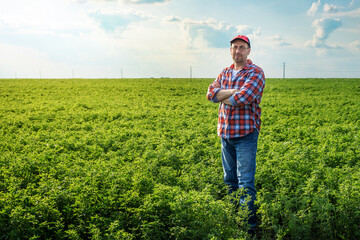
{"points": [[239, 89]]}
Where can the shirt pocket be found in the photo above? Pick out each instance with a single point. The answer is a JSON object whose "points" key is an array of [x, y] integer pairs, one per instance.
{"points": [[224, 83], [239, 82]]}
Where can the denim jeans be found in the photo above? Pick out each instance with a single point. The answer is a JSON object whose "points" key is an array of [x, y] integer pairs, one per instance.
{"points": [[239, 165]]}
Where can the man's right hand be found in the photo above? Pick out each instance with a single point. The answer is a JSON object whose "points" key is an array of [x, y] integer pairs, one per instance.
{"points": [[235, 91], [225, 93]]}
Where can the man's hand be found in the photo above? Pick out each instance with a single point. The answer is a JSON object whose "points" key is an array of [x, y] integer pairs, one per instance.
{"points": [[226, 101], [223, 95], [235, 91], [226, 93]]}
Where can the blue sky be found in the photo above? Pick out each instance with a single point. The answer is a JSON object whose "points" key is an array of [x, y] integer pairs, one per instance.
{"points": [[164, 38]]}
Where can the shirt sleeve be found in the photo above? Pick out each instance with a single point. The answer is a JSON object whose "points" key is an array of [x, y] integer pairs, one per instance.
{"points": [[251, 90], [213, 89]]}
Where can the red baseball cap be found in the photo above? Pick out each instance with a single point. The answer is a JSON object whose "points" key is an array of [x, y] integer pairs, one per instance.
{"points": [[241, 37]]}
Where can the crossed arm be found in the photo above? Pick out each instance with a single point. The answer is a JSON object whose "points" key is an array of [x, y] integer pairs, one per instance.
{"points": [[224, 94], [250, 90]]}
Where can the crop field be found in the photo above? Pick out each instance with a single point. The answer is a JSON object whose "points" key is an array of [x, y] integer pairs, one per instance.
{"points": [[140, 159]]}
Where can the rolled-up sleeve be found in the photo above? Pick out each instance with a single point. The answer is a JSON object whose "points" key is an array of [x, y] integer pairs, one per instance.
{"points": [[213, 89]]}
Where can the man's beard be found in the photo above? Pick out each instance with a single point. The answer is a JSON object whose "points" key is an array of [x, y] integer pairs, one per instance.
{"points": [[239, 59]]}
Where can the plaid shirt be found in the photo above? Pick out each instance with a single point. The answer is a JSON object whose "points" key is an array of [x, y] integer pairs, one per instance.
{"points": [[243, 116]]}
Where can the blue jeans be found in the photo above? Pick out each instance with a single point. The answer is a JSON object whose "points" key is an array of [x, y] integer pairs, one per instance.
{"points": [[239, 164]]}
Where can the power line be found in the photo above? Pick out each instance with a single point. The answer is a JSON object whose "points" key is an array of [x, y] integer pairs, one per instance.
{"points": [[284, 70]]}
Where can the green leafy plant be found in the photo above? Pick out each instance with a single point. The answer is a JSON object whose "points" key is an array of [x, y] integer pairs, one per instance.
{"points": [[140, 159]]}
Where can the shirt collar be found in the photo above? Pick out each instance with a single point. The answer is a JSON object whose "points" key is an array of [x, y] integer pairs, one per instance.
{"points": [[249, 62]]}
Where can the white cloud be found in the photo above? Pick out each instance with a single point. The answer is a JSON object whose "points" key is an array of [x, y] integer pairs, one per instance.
{"points": [[172, 19], [143, 1], [354, 14], [314, 8], [355, 45], [44, 18], [324, 27], [278, 40], [208, 32], [124, 1], [117, 20], [330, 8], [77, 1]]}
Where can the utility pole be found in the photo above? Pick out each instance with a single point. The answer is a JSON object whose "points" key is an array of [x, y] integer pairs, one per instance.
{"points": [[190, 71], [121, 73], [284, 70]]}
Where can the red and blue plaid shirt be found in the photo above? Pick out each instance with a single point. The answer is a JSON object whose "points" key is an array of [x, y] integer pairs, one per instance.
{"points": [[243, 116]]}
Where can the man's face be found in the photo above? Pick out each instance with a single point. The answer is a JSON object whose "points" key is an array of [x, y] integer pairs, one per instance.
{"points": [[239, 51]]}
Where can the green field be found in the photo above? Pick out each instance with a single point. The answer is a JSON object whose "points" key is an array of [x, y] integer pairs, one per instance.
{"points": [[140, 159]]}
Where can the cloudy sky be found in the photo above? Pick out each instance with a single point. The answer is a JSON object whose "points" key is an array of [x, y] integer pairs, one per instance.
{"points": [[165, 38]]}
